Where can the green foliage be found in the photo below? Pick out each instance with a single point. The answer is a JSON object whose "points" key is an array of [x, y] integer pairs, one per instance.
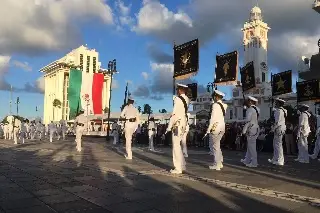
{"points": [[16, 116], [56, 103], [147, 109], [139, 109], [162, 111]]}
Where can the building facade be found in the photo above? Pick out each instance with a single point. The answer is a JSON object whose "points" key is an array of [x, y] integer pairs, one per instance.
{"points": [[56, 77]]}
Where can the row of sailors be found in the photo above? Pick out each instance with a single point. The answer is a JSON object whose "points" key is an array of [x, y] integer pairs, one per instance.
{"points": [[178, 126], [33, 131]]}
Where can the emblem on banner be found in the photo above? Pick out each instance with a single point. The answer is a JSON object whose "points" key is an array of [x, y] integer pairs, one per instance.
{"points": [[308, 91], [226, 67], [185, 59]]}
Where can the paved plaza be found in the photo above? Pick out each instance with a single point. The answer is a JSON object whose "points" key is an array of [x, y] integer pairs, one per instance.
{"points": [[39, 176]]}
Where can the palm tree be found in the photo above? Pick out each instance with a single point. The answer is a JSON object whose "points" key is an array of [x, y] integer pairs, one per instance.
{"points": [[56, 104]]}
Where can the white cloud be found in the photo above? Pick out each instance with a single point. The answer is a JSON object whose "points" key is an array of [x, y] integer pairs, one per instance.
{"points": [[46, 25], [22, 65], [4, 66], [145, 75], [40, 84], [154, 16], [124, 14]]}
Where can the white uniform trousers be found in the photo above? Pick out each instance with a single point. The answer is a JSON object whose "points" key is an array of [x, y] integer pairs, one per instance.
{"points": [[179, 162], [128, 131], [303, 156], [15, 135], [151, 137], [79, 132], [316, 149], [214, 140], [184, 144], [63, 134], [251, 154], [278, 157], [11, 135], [115, 135], [23, 136], [51, 134]]}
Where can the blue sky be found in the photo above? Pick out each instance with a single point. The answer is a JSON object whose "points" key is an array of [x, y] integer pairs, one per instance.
{"points": [[137, 29]]}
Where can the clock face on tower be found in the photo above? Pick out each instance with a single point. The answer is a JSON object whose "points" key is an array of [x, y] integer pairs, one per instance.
{"points": [[263, 66]]}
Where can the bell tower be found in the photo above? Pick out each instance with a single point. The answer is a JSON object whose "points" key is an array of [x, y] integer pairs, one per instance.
{"points": [[255, 43]]}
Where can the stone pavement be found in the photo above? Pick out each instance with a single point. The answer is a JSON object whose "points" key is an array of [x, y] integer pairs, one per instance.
{"points": [[52, 177]]}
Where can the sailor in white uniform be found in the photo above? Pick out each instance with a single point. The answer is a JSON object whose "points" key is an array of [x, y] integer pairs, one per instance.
{"points": [[151, 133], [115, 132], [279, 130], [52, 129], [24, 130], [251, 130], [131, 114], [303, 133], [216, 128], [80, 124], [177, 126]]}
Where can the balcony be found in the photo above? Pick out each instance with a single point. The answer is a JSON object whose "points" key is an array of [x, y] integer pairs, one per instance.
{"points": [[316, 6]]}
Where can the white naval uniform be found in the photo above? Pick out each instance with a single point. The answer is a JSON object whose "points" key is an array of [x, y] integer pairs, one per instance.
{"points": [[251, 130], [64, 129], [316, 149], [177, 124], [32, 131], [151, 133], [279, 130], [129, 112], [39, 130], [216, 130], [115, 133], [80, 125], [6, 131], [24, 131], [16, 128], [52, 128], [303, 133]]}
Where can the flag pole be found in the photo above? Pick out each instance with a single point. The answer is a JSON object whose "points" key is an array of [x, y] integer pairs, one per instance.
{"points": [[10, 99], [173, 79]]}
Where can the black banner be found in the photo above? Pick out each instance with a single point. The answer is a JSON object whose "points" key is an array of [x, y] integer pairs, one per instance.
{"points": [[186, 60], [281, 83], [308, 91], [227, 69], [315, 63], [192, 91], [248, 80]]}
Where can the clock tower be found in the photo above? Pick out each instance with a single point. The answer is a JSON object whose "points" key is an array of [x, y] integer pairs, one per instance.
{"points": [[255, 43]]}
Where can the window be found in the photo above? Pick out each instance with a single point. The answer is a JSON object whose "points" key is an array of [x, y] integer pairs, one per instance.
{"points": [[231, 114], [81, 61], [263, 77], [236, 93], [88, 63], [94, 63]]}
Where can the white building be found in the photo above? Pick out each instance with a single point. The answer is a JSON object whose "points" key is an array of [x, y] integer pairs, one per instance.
{"points": [[255, 43], [56, 77]]}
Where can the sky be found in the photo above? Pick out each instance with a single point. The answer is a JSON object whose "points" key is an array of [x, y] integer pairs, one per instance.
{"points": [[140, 35]]}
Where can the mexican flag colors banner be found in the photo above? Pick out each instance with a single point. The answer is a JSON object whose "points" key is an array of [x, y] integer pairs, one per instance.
{"points": [[85, 92]]}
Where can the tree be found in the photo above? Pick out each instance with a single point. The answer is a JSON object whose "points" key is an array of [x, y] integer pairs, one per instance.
{"points": [[139, 109], [56, 104], [162, 110], [147, 109], [106, 110]]}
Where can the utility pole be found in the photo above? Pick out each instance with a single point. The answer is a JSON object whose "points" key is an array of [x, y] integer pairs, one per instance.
{"points": [[11, 100], [18, 102]]}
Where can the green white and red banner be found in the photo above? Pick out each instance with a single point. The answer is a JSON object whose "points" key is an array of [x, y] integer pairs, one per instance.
{"points": [[85, 92]]}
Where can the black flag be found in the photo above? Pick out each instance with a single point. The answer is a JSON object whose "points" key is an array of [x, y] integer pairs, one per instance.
{"points": [[186, 59], [308, 91], [227, 69], [247, 77], [193, 91], [281, 83]]}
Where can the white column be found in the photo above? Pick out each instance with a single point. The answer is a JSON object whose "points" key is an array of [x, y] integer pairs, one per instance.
{"points": [[108, 92]]}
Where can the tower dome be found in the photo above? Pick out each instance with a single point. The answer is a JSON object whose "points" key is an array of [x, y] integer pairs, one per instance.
{"points": [[255, 14]]}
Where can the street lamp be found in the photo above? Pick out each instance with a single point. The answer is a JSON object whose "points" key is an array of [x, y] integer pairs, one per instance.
{"points": [[210, 87], [112, 69], [18, 102]]}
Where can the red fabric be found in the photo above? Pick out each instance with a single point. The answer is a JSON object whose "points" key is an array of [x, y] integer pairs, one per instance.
{"points": [[97, 86]]}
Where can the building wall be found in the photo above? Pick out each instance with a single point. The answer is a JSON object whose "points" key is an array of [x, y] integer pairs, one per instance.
{"points": [[57, 82]]}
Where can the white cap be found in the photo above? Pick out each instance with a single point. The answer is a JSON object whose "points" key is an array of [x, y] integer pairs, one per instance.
{"points": [[182, 85], [280, 100], [304, 105], [130, 98], [219, 93], [252, 99]]}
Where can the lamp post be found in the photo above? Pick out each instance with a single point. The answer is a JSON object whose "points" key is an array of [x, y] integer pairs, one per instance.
{"points": [[210, 87], [18, 102], [87, 99], [112, 69]]}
